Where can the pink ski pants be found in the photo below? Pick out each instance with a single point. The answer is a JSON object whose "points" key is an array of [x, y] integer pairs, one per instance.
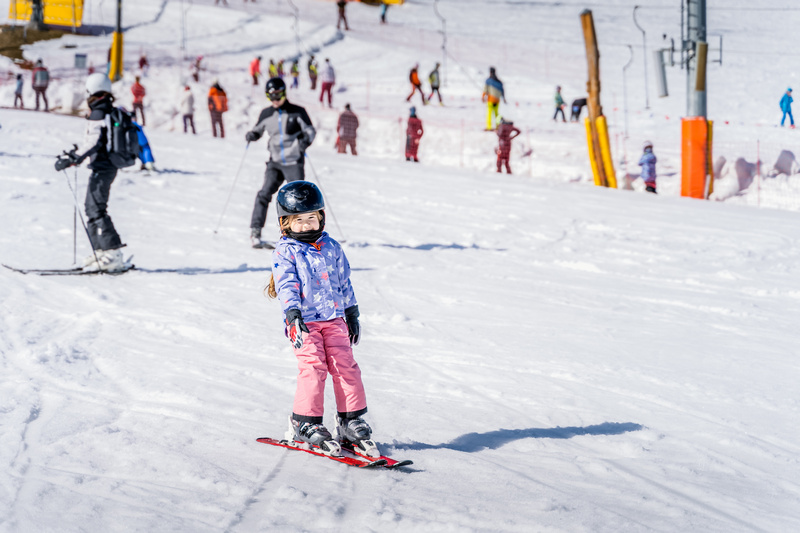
{"points": [[326, 350]]}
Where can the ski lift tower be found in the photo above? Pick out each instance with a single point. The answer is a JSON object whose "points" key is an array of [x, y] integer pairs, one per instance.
{"points": [[696, 130]]}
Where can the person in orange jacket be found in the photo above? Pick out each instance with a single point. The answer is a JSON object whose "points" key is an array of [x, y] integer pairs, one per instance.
{"points": [[217, 105], [255, 69], [416, 85], [414, 133], [138, 99]]}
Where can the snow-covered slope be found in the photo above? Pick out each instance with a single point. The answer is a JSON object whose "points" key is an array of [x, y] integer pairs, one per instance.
{"points": [[552, 356]]}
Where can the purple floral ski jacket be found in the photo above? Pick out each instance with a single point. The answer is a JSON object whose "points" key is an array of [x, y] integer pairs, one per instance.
{"points": [[314, 278]]}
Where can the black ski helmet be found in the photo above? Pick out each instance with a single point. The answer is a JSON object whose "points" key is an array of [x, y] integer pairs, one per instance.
{"points": [[298, 197], [275, 89]]}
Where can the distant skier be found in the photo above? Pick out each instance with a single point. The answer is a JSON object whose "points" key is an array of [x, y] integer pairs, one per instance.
{"points": [[506, 132], [577, 107], [139, 93], [196, 68], [416, 85], [559, 101], [433, 78], [342, 4], [217, 105], [99, 145], [384, 9], [311, 280], [414, 133], [312, 72], [295, 71], [328, 79], [272, 70], [18, 92], [786, 107], [648, 164], [492, 93], [255, 69], [346, 128], [187, 109], [144, 65], [279, 68], [41, 79], [290, 133]]}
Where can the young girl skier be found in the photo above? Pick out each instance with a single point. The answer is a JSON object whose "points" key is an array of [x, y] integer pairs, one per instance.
{"points": [[311, 279], [648, 164]]}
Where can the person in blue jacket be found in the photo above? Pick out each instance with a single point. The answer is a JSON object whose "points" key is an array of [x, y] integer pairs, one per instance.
{"points": [[648, 164], [145, 153], [786, 107]]}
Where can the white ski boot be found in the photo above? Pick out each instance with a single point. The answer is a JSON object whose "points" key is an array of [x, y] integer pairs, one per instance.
{"points": [[312, 436], [105, 260], [356, 433]]}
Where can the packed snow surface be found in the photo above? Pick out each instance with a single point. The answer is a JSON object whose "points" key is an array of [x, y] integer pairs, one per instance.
{"points": [[551, 355]]}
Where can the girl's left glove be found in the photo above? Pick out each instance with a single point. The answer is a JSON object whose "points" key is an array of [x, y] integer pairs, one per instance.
{"points": [[353, 327], [295, 327]]}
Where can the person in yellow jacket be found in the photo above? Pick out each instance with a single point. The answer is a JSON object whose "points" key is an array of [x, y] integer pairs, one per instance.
{"points": [[492, 93]]}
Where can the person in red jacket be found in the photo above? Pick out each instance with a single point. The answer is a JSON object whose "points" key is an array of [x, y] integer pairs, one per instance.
{"points": [[255, 69], [41, 79], [506, 132], [414, 133], [346, 128], [138, 99]]}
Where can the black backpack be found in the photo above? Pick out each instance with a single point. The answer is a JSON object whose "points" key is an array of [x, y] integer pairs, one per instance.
{"points": [[124, 139]]}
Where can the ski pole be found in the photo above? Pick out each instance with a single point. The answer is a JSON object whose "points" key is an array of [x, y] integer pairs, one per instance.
{"points": [[329, 208], [230, 193], [75, 204], [75, 225]]}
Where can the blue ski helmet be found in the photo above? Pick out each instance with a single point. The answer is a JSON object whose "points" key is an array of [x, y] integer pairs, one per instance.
{"points": [[298, 197]]}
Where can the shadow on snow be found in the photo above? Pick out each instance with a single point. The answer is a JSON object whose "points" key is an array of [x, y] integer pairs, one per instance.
{"points": [[475, 442]]}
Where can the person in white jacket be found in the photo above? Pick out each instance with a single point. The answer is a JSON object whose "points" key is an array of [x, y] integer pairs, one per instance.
{"points": [[328, 79], [187, 109]]}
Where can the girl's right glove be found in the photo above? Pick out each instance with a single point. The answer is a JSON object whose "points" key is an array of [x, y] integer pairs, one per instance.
{"points": [[353, 327], [295, 327]]}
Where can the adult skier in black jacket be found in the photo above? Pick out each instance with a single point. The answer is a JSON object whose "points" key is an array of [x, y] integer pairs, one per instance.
{"points": [[106, 243], [290, 134]]}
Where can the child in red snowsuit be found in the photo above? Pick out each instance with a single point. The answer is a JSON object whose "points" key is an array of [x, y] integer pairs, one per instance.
{"points": [[506, 132], [414, 133]]}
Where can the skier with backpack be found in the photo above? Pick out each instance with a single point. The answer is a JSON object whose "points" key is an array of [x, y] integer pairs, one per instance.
{"points": [[111, 143], [311, 279], [40, 81], [289, 134], [433, 78]]}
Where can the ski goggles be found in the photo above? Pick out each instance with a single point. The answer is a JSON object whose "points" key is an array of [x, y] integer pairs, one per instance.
{"points": [[276, 95]]}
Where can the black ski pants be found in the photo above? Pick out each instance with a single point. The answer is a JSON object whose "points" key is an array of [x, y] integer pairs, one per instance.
{"points": [[274, 177], [101, 229]]}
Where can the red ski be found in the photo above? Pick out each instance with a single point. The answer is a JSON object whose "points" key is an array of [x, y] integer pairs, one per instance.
{"points": [[351, 461], [389, 462]]}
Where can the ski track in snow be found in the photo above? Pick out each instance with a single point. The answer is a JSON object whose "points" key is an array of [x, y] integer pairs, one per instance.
{"points": [[552, 356]]}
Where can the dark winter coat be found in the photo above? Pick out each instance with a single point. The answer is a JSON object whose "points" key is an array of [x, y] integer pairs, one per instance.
{"points": [[97, 142], [290, 132]]}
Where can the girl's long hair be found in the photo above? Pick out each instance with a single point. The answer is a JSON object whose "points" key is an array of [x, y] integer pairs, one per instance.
{"points": [[285, 225]]}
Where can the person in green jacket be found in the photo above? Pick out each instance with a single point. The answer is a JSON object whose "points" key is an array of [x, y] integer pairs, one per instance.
{"points": [[559, 105]]}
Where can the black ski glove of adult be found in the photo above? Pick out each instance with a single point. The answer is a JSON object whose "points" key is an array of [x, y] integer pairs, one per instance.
{"points": [[351, 315], [62, 163], [251, 136], [304, 144], [295, 327]]}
